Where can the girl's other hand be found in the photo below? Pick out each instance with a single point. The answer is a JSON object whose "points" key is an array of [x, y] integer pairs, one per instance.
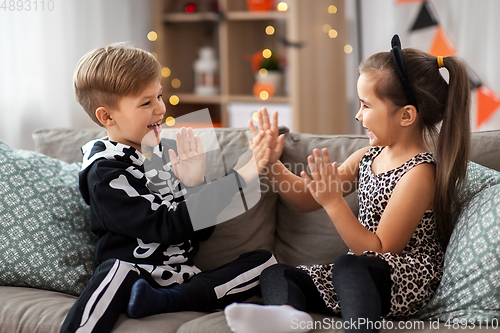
{"points": [[325, 185]]}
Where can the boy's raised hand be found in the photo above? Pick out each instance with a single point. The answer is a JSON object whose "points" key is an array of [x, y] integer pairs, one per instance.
{"points": [[249, 168], [189, 165], [276, 143]]}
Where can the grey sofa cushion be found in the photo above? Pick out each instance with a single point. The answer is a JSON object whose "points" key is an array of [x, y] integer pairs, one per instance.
{"points": [[485, 149], [63, 143], [42, 311], [311, 238]]}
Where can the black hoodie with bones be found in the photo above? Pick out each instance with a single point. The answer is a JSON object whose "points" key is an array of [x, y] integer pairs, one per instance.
{"points": [[139, 209]]}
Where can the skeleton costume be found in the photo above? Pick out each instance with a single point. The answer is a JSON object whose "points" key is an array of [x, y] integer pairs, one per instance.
{"points": [[139, 212]]}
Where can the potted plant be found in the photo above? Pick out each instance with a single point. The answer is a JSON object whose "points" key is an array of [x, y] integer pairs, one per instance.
{"points": [[267, 67]]}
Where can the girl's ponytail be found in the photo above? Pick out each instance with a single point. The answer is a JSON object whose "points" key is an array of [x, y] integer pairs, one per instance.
{"points": [[453, 146]]}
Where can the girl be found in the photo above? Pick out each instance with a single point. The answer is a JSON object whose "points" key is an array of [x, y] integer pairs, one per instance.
{"points": [[405, 194]]}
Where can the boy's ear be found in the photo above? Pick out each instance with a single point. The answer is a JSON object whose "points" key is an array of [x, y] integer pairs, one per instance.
{"points": [[104, 116], [408, 115]]}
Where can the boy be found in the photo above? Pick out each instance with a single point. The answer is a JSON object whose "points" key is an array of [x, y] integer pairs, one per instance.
{"points": [[146, 239]]}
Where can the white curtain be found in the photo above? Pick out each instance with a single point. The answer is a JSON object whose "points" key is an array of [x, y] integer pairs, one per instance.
{"points": [[472, 26], [39, 51]]}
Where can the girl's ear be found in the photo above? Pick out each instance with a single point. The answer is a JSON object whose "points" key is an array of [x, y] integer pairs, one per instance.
{"points": [[408, 115], [104, 116]]}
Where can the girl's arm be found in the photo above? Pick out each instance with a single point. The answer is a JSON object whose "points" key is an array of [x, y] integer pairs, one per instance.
{"points": [[411, 197], [291, 187], [294, 189]]}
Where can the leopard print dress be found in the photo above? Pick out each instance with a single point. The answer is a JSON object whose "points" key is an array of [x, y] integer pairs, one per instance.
{"points": [[417, 271]]}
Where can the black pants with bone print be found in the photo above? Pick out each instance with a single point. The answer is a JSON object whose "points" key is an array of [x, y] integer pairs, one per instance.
{"points": [[108, 291]]}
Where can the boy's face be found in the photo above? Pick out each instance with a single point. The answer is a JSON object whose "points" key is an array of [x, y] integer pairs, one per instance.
{"points": [[138, 119]]}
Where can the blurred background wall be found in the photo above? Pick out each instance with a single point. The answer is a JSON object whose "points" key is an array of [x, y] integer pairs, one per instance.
{"points": [[40, 48]]}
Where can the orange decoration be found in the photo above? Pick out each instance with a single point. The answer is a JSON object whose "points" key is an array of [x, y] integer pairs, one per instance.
{"points": [[259, 5], [259, 87], [487, 103], [442, 46]]}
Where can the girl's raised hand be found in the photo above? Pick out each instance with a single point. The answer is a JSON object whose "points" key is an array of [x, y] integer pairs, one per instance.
{"points": [[325, 185], [276, 143]]}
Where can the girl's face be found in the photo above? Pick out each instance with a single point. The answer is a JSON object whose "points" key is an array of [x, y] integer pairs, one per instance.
{"points": [[376, 115]]}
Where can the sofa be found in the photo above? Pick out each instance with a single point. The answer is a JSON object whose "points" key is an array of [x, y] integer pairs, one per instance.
{"points": [[46, 249]]}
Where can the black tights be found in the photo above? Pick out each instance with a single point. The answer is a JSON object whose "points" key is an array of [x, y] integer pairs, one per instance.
{"points": [[362, 283]]}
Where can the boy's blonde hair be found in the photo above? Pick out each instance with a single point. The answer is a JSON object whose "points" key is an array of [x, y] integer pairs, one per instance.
{"points": [[108, 73]]}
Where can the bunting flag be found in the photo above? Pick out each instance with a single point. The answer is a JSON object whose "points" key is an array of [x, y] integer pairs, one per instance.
{"points": [[426, 17], [487, 103], [442, 45]]}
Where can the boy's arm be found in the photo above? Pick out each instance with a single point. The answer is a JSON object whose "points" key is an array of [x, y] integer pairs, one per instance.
{"points": [[125, 206]]}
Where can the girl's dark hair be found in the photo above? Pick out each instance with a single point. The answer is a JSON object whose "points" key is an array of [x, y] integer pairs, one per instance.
{"points": [[444, 110]]}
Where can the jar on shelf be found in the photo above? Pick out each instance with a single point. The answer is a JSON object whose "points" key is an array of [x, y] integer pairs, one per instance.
{"points": [[206, 69]]}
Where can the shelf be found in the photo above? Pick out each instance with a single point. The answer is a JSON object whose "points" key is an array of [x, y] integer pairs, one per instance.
{"points": [[253, 99], [191, 17], [197, 99], [253, 16], [315, 77], [187, 98], [231, 16]]}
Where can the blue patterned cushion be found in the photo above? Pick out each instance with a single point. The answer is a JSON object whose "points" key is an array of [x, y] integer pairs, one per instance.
{"points": [[45, 241], [470, 288]]}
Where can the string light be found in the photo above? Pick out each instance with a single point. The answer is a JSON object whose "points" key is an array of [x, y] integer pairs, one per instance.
{"points": [[270, 30], [282, 7], [327, 28], [155, 55], [267, 53], [152, 36], [348, 49], [170, 121], [176, 83], [264, 95], [255, 116], [332, 9], [333, 33], [263, 72], [174, 100], [165, 72]]}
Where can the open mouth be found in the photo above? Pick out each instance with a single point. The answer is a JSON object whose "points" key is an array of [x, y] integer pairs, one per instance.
{"points": [[156, 126]]}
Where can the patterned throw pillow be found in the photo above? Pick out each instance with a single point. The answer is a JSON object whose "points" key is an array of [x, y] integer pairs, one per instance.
{"points": [[470, 288], [478, 178], [45, 240]]}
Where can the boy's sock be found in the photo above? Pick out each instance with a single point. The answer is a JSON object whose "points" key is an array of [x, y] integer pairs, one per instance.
{"points": [[147, 301], [251, 318]]}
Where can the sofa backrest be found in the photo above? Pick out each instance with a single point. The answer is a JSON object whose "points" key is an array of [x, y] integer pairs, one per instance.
{"points": [[295, 238]]}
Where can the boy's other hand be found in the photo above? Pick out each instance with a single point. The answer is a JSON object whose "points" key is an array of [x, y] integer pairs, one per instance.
{"points": [[276, 143], [260, 158], [189, 165]]}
